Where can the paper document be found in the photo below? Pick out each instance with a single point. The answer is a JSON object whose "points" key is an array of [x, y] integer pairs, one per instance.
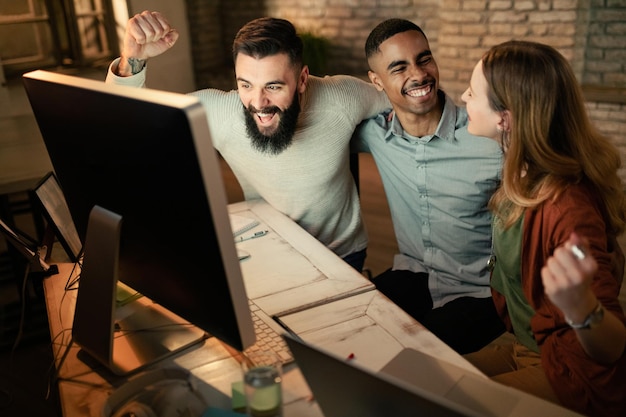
{"points": [[240, 224]]}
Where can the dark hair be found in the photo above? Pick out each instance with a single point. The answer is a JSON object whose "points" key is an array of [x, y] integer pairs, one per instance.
{"points": [[268, 36], [385, 30]]}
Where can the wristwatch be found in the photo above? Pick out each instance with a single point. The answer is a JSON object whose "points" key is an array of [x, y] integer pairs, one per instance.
{"points": [[593, 319]]}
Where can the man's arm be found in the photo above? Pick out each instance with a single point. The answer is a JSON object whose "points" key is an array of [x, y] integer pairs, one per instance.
{"points": [[372, 101], [358, 142], [147, 35]]}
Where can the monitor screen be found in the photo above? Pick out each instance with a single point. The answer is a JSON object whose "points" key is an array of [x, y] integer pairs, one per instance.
{"points": [[146, 157]]}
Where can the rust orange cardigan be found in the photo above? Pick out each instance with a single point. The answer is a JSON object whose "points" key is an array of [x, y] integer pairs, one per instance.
{"points": [[580, 383]]}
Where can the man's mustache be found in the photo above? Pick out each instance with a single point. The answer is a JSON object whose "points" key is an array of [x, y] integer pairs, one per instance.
{"points": [[266, 110]]}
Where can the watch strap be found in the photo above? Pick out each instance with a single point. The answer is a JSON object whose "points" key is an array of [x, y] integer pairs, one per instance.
{"points": [[594, 318]]}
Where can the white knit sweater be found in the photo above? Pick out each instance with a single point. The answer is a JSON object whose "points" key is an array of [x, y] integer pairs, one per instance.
{"points": [[310, 181]]}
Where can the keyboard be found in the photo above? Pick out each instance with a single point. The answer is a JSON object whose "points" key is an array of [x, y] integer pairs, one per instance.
{"points": [[268, 335]]}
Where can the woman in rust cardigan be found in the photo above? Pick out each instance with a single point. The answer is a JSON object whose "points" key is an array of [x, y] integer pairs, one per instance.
{"points": [[557, 268]]}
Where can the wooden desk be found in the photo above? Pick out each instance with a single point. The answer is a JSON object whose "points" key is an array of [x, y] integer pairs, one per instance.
{"points": [[339, 310], [289, 269], [371, 328]]}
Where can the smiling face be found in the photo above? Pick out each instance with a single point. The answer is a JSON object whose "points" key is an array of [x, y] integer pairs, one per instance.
{"points": [[268, 88], [483, 120], [406, 70]]}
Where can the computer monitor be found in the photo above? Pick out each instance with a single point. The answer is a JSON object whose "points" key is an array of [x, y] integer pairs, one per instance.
{"points": [[53, 206], [144, 189]]}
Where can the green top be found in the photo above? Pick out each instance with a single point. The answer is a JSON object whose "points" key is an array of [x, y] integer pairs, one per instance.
{"points": [[506, 279]]}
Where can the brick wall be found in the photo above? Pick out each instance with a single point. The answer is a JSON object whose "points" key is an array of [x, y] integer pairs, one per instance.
{"points": [[610, 118], [206, 32], [591, 34], [468, 28], [346, 23], [605, 52]]}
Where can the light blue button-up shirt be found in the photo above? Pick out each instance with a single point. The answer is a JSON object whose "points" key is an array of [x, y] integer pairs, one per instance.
{"points": [[438, 187]]}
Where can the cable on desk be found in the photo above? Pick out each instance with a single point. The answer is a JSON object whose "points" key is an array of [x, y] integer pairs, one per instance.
{"points": [[20, 330], [71, 283], [66, 289], [55, 376]]}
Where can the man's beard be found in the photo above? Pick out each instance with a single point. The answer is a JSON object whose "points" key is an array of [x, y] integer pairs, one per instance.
{"points": [[280, 140]]}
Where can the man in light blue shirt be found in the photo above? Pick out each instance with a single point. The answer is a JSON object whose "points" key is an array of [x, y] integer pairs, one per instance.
{"points": [[438, 180]]}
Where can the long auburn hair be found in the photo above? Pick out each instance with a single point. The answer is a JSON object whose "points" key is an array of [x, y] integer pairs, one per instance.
{"points": [[552, 142]]}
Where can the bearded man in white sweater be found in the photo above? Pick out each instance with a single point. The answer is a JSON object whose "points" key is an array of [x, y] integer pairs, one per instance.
{"points": [[284, 133]]}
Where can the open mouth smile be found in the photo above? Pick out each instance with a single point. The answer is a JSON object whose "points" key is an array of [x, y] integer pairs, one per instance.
{"points": [[265, 117], [419, 91]]}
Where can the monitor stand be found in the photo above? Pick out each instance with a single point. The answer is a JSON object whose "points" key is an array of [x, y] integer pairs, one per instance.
{"points": [[130, 337]]}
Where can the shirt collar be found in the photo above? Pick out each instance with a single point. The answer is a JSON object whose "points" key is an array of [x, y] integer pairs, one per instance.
{"points": [[445, 130]]}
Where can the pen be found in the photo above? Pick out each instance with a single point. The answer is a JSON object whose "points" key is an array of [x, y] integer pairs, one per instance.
{"points": [[252, 236], [578, 252]]}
